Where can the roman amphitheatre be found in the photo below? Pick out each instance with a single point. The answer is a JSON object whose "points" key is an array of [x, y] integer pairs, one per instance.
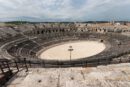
{"points": [[65, 55]]}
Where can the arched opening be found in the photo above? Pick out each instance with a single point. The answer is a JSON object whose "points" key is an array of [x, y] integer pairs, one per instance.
{"points": [[38, 32]]}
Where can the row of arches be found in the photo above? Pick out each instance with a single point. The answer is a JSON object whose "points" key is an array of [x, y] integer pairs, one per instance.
{"points": [[66, 30], [48, 31]]}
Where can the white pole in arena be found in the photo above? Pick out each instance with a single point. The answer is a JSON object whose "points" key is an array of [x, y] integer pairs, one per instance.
{"points": [[70, 50]]}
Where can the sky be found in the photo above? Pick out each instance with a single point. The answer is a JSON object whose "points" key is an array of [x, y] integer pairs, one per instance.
{"points": [[64, 10]]}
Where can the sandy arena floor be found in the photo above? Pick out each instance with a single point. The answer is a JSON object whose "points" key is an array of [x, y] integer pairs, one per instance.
{"points": [[81, 49]]}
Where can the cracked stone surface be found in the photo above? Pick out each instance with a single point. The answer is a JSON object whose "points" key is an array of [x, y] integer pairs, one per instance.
{"points": [[102, 76]]}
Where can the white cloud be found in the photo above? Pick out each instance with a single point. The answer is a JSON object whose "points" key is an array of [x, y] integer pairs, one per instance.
{"points": [[63, 9]]}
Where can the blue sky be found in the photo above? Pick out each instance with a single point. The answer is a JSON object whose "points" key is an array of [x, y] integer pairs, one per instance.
{"points": [[65, 10]]}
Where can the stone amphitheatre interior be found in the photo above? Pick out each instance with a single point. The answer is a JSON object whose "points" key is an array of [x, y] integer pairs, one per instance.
{"points": [[65, 54], [65, 51]]}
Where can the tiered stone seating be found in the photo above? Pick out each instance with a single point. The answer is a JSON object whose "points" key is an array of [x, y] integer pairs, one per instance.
{"points": [[27, 48]]}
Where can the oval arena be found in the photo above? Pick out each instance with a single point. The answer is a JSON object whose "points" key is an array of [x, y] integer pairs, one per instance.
{"points": [[48, 45], [52, 54], [73, 50]]}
